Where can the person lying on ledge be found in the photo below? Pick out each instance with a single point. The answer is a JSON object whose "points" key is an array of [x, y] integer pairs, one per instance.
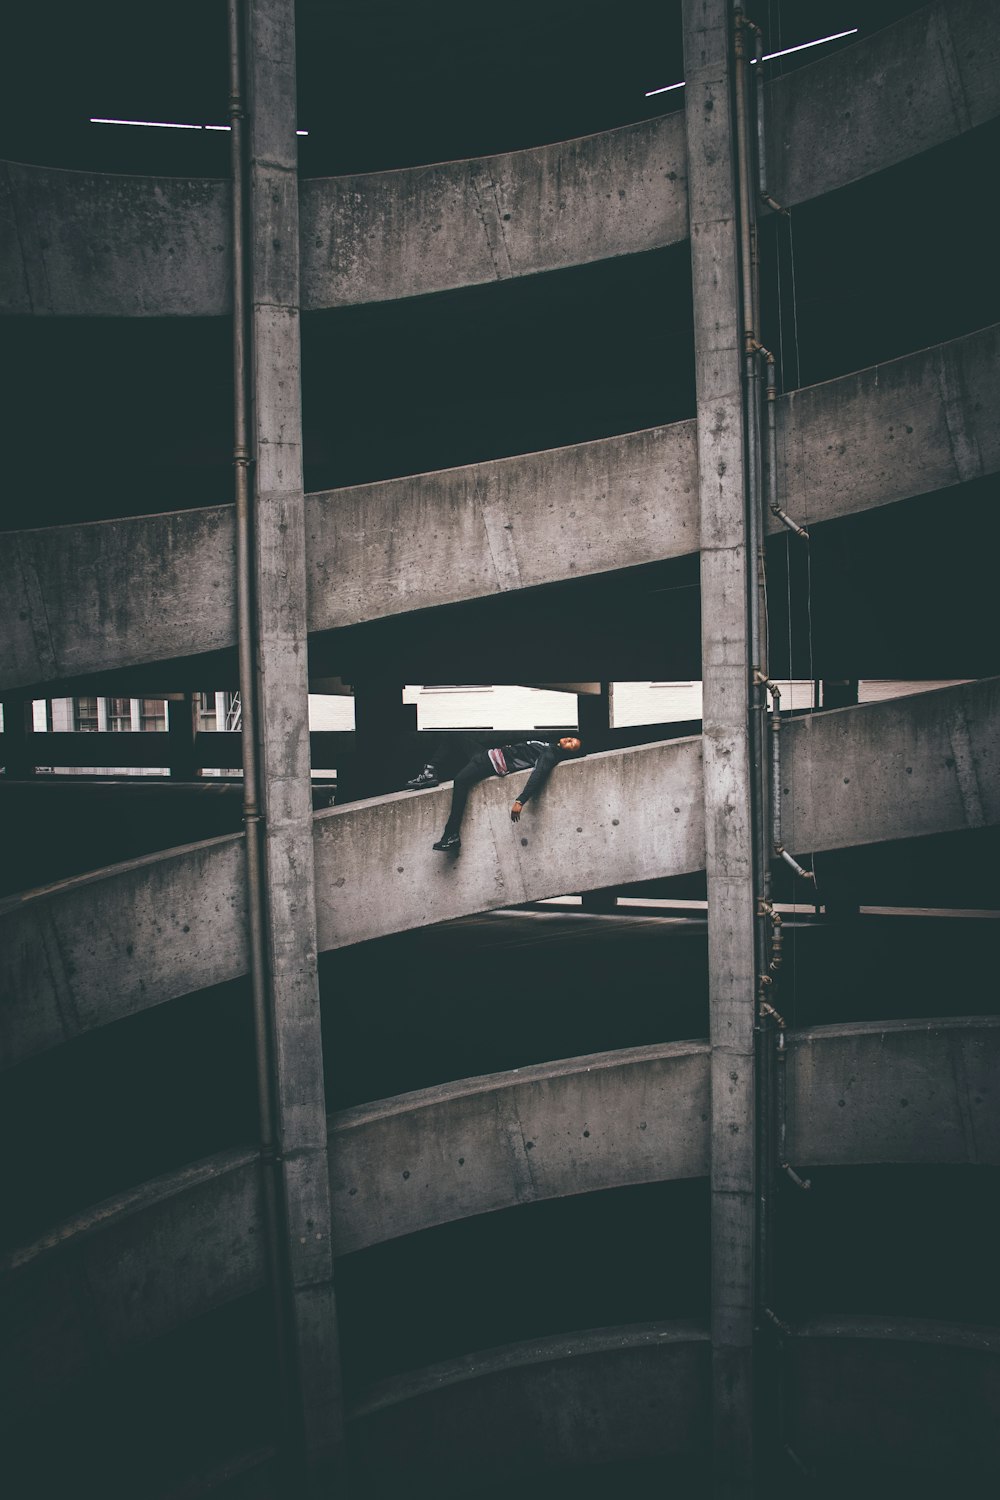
{"points": [[476, 763]]}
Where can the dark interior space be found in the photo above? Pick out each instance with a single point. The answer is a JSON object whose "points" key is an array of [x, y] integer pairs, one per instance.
{"points": [[628, 1255], [513, 367], [125, 1103], [903, 591], [467, 1006], [117, 417], [126, 417], [877, 270], [189, 1401], [598, 984], [889, 1240], [380, 85]]}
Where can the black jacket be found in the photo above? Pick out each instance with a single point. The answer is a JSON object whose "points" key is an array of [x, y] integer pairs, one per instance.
{"points": [[541, 755]]}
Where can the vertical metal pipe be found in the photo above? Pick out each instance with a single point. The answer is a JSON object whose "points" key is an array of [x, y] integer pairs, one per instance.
{"points": [[743, 176], [248, 700], [772, 500]]}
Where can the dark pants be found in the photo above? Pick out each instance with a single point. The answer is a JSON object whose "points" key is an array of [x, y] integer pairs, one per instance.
{"points": [[463, 756]]}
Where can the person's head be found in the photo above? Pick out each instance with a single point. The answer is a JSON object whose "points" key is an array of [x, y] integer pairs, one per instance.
{"points": [[570, 743]]}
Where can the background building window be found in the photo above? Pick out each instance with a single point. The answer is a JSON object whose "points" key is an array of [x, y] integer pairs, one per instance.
{"points": [[153, 713], [206, 709], [85, 713], [119, 714]]}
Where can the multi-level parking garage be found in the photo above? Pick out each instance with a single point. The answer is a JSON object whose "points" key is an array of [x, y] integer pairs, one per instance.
{"points": [[332, 1164]]}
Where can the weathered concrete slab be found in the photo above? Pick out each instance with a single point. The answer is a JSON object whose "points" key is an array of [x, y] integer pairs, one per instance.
{"points": [[101, 947], [128, 1270], [885, 1390], [381, 549], [898, 769], [425, 229], [616, 1118], [623, 815], [918, 83], [78, 599], [896, 1091], [590, 1397], [82, 599], [87, 244], [915, 425]]}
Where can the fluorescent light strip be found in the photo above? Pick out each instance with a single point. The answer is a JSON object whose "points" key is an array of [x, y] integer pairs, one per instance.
{"points": [[803, 45], [768, 56], [167, 125], [153, 124]]}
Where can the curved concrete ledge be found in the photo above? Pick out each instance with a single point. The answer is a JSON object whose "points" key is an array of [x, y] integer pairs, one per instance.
{"points": [[918, 83], [513, 523], [104, 946], [619, 816], [130, 1269], [897, 1091], [584, 1398], [385, 235], [80, 599], [577, 1126], [89, 245], [75, 600], [101, 947], [895, 1392], [898, 769], [918, 424]]}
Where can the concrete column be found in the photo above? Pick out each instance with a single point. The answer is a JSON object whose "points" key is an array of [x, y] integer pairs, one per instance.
{"points": [[283, 731], [181, 731], [384, 737], [594, 720], [726, 699], [18, 731]]}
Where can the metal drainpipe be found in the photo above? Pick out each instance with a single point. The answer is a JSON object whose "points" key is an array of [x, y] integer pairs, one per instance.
{"points": [[764, 1062], [269, 1155]]}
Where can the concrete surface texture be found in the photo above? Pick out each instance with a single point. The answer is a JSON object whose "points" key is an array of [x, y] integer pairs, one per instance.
{"points": [[101, 246], [79, 599], [253, 1232], [405, 1164], [170, 924]]}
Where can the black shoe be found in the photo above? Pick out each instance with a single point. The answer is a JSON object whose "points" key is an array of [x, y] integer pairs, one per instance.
{"points": [[449, 844], [427, 777]]}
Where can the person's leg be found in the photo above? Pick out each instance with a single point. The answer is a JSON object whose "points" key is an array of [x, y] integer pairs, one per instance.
{"points": [[477, 769], [448, 753]]}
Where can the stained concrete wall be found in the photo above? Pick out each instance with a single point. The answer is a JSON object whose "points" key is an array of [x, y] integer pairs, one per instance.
{"points": [[432, 228], [467, 533], [75, 599], [592, 1397], [85, 244], [900, 1091], [80, 599], [907, 427], [128, 1270], [616, 1118], [100, 947], [605, 819], [92, 245], [887, 1391], [174, 1248], [914, 85], [897, 769]]}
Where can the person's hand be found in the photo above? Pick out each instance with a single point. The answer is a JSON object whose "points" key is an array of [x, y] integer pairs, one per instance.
{"points": [[515, 812]]}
